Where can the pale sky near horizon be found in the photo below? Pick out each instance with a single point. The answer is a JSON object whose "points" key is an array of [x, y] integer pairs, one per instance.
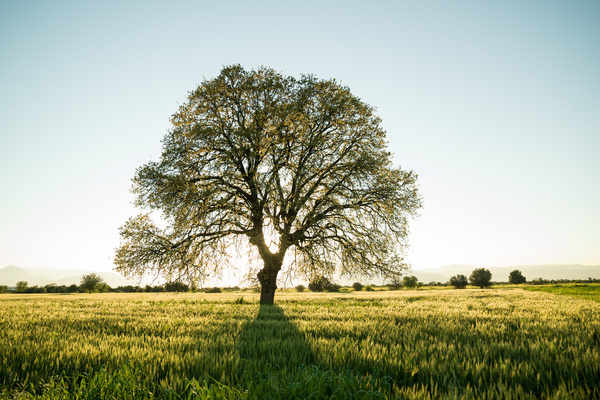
{"points": [[496, 105]]}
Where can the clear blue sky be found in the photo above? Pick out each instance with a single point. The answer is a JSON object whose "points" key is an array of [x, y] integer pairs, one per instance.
{"points": [[495, 104]]}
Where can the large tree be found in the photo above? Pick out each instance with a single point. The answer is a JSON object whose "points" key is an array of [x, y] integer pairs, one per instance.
{"points": [[281, 164]]}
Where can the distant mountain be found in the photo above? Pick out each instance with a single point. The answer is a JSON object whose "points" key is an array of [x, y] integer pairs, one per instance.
{"points": [[500, 274], [12, 274]]}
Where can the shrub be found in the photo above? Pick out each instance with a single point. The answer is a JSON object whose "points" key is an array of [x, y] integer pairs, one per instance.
{"points": [[176, 286], [300, 288], [358, 286], [459, 281], [213, 290], [3, 288], [369, 288], [334, 287], [481, 277]]}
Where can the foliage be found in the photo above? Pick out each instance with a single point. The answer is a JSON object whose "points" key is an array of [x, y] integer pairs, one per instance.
{"points": [[22, 286], [516, 277], [410, 282], [334, 287], [214, 290], [90, 282], [369, 288], [3, 288], [357, 286], [519, 344], [459, 281], [176, 286], [300, 288], [481, 277], [319, 283], [273, 163], [72, 288]]}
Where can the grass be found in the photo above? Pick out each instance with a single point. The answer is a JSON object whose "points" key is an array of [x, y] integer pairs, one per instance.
{"points": [[464, 344], [584, 291]]}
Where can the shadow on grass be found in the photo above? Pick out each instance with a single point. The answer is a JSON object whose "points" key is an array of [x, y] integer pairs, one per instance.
{"points": [[272, 343]]}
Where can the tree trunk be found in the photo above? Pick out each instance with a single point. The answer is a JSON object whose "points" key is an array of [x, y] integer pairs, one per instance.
{"points": [[268, 280]]}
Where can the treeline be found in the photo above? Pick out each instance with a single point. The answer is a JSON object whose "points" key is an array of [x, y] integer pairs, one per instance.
{"points": [[481, 278], [102, 287]]}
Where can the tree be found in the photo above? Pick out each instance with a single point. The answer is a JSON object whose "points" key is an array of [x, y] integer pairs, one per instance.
{"points": [[22, 286], [516, 277], [481, 277], [410, 281], [357, 286], [395, 282], [459, 281], [89, 282], [272, 164]]}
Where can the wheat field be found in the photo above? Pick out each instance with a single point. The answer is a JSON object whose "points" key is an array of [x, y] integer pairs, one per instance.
{"points": [[420, 344]]}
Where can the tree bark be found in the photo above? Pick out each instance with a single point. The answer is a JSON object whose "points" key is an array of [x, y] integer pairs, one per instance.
{"points": [[268, 279]]}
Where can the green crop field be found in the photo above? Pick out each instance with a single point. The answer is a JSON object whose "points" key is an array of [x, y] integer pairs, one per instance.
{"points": [[586, 291], [422, 344]]}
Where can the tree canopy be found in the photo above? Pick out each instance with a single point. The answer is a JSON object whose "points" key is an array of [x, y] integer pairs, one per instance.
{"points": [[481, 277], [459, 281], [516, 277], [275, 163], [90, 282]]}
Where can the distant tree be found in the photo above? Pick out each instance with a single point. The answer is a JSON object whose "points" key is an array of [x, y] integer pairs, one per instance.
{"points": [[319, 284], [3, 288], [22, 286], [395, 282], [481, 277], [280, 165], [459, 281], [357, 286], [516, 277], [300, 288], [410, 282], [369, 288], [89, 282], [213, 290]]}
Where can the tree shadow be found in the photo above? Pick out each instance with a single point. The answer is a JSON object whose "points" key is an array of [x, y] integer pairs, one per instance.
{"points": [[271, 343]]}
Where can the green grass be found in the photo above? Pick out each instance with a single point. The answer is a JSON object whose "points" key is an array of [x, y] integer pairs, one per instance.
{"points": [[464, 344], [585, 291]]}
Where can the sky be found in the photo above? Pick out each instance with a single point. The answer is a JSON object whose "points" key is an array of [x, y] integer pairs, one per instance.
{"points": [[496, 105]]}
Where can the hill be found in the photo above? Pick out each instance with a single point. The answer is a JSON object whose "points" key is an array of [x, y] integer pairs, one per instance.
{"points": [[500, 274], [12, 274]]}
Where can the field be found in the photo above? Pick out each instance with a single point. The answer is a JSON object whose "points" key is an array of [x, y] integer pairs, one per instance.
{"points": [[584, 291], [422, 344]]}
